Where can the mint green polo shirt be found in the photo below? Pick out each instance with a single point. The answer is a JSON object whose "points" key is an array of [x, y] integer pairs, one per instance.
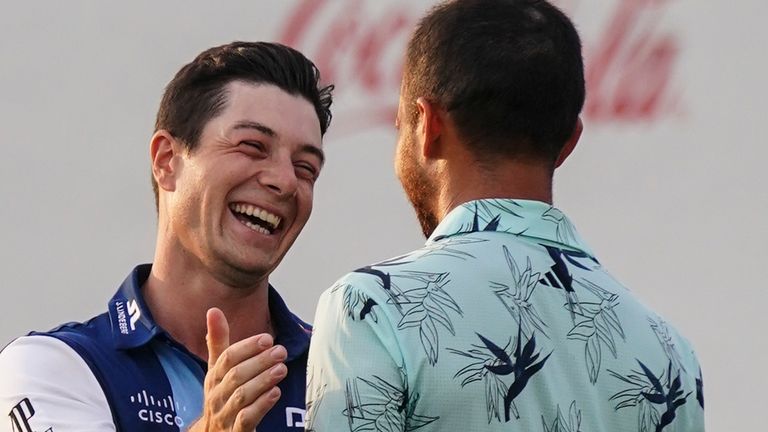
{"points": [[504, 321]]}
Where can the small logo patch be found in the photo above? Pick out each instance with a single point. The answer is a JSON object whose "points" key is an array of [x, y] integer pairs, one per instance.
{"points": [[157, 410], [294, 417], [20, 415]]}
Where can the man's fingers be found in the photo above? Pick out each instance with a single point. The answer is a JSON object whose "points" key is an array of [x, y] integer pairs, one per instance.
{"points": [[242, 384], [218, 335], [241, 379], [249, 391], [240, 352], [249, 417], [250, 367]]}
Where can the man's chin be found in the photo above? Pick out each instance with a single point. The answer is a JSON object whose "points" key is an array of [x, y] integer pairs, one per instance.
{"points": [[243, 276]]}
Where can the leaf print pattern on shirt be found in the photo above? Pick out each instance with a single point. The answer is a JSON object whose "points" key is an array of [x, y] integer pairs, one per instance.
{"points": [[700, 389], [393, 410], [661, 330], [647, 390], [357, 305], [448, 247], [385, 282], [561, 424], [315, 399], [425, 307], [500, 328], [489, 208], [422, 306], [597, 324], [559, 277], [517, 299], [565, 232], [487, 215], [492, 362]]}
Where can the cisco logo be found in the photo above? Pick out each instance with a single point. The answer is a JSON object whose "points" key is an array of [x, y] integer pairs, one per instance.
{"points": [[157, 410]]}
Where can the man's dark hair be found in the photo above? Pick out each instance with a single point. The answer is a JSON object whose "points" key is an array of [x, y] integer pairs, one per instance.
{"points": [[509, 72], [198, 91]]}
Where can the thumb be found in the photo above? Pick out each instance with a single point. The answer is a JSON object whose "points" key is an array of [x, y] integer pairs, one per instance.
{"points": [[218, 335]]}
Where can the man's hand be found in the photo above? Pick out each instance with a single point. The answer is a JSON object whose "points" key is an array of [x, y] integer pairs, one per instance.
{"points": [[240, 386]]}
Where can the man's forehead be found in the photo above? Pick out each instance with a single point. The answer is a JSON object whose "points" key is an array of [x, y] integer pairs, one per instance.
{"points": [[269, 109]]}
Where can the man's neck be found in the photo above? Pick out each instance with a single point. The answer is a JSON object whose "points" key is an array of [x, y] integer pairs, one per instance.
{"points": [[463, 182], [179, 300]]}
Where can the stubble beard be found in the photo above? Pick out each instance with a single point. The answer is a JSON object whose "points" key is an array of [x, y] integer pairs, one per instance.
{"points": [[420, 190]]}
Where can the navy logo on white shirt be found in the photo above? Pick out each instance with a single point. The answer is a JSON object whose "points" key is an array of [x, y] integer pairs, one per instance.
{"points": [[20, 415]]}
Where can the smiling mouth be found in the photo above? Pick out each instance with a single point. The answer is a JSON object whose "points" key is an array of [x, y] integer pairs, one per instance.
{"points": [[256, 218]]}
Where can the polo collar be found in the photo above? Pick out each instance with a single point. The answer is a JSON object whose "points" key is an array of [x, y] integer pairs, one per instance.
{"points": [[133, 326], [132, 323], [291, 332], [535, 220]]}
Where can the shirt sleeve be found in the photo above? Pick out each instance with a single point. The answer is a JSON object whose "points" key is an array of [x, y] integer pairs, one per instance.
{"points": [[356, 380], [692, 412], [46, 386]]}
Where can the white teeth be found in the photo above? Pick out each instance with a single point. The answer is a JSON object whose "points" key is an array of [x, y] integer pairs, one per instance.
{"points": [[260, 213], [256, 228], [274, 220]]}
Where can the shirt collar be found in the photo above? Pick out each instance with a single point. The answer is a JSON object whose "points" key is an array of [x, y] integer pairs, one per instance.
{"points": [[292, 333], [133, 326], [129, 316], [531, 219]]}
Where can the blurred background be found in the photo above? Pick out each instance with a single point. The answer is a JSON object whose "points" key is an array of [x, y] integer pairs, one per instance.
{"points": [[667, 184]]}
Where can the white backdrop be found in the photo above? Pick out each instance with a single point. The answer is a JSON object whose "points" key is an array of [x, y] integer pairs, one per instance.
{"points": [[667, 185]]}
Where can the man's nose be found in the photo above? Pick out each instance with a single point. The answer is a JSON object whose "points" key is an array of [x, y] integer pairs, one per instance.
{"points": [[279, 176]]}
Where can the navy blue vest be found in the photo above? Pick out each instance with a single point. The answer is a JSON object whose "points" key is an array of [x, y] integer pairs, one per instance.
{"points": [[153, 383]]}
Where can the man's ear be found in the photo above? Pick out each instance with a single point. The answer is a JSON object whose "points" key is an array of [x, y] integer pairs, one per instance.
{"points": [[429, 128], [570, 144], [163, 149]]}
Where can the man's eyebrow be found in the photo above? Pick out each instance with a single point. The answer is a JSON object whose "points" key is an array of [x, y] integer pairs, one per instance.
{"points": [[308, 148], [266, 130]]}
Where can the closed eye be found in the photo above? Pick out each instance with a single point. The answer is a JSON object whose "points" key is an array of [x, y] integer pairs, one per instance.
{"points": [[306, 170], [254, 148], [255, 144]]}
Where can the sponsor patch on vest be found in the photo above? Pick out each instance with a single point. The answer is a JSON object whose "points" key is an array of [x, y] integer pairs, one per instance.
{"points": [[20, 415], [294, 417], [160, 411], [128, 315]]}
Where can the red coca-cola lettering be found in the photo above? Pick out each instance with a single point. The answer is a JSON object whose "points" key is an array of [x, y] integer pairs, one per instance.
{"points": [[630, 59], [360, 52], [631, 65], [348, 40]]}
